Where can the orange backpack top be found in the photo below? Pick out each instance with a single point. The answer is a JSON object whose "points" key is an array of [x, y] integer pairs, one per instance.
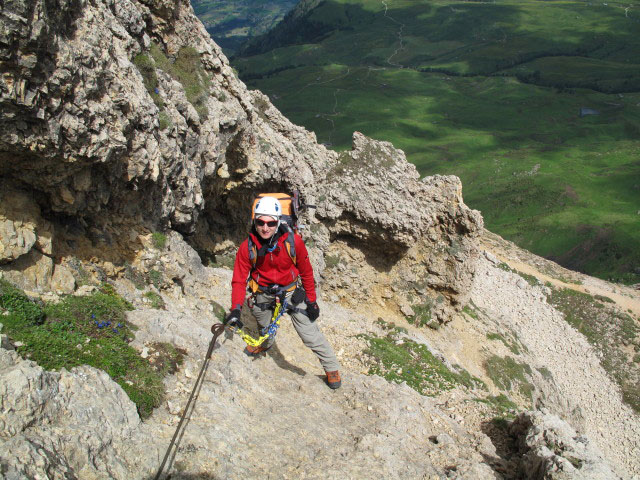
{"points": [[289, 204]]}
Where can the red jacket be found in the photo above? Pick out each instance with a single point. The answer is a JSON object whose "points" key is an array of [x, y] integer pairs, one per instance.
{"points": [[275, 267]]}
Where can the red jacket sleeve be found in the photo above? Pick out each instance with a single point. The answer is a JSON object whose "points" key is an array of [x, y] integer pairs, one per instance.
{"points": [[241, 269], [304, 267]]}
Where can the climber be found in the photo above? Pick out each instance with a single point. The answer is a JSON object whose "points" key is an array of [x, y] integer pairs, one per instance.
{"points": [[274, 262]]}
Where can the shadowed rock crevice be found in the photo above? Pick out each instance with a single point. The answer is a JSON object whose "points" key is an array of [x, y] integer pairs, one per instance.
{"points": [[380, 253]]}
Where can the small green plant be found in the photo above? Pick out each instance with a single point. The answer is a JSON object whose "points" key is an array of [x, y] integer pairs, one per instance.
{"points": [[391, 327], [546, 373], [160, 59], [165, 358], [225, 260], [135, 276], [511, 345], [147, 69], [332, 261], [218, 310], [265, 146], [159, 240], [602, 298], [501, 423], [90, 330], [469, 310], [530, 279], [164, 121], [501, 404], [189, 72], [156, 278], [422, 316], [186, 69], [508, 374], [155, 300]]}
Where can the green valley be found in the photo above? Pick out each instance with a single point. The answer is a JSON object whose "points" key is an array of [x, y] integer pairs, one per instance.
{"points": [[535, 105], [232, 22]]}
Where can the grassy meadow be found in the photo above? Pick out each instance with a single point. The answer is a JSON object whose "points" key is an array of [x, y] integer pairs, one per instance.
{"points": [[491, 92]]}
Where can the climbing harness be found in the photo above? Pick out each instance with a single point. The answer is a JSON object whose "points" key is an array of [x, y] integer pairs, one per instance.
{"points": [[216, 330], [278, 311]]}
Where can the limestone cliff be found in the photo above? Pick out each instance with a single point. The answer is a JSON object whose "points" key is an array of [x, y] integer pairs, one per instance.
{"points": [[122, 114]]}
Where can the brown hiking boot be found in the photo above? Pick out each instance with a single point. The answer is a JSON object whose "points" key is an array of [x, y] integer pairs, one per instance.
{"points": [[333, 379], [256, 350]]}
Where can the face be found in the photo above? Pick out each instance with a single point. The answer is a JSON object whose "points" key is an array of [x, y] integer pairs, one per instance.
{"points": [[264, 230]]}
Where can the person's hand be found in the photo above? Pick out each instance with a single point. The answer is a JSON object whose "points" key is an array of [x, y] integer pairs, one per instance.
{"points": [[233, 319], [313, 310]]}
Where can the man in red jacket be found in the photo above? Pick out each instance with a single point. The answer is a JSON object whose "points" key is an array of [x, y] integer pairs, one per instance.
{"points": [[264, 260]]}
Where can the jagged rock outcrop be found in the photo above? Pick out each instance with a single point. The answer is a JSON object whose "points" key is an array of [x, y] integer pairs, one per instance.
{"points": [[416, 235], [81, 122], [551, 449], [100, 124], [25, 240]]}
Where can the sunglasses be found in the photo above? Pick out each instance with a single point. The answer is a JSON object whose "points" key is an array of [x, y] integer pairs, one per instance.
{"points": [[261, 223]]}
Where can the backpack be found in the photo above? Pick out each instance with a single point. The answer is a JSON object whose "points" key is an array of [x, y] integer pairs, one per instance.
{"points": [[290, 207]]}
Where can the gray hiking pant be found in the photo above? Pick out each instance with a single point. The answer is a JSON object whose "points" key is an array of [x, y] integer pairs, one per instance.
{"points": [[308, 331]]}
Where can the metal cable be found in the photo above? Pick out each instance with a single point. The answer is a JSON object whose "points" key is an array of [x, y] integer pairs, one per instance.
{"points": [[217, 330]]}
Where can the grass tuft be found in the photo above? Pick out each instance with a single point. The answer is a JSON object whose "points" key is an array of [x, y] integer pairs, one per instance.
{"points": [[155, 300], [147, 69], [155, 277], [511, 345], [90, 330], [422, 316], [159, 240]]}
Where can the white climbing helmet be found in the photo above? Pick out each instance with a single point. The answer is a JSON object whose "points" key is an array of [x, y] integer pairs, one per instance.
{"points": [[268, 206]]}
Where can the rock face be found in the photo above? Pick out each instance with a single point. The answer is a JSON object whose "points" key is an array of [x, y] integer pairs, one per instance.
{"points": [[25, 239], [100, 124], [81, 121], [418, 235], [551, 449], [61, 425]]}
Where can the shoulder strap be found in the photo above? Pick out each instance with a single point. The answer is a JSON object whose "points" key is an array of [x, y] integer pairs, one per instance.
{"points": [[290, 243], [253, 252]]}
